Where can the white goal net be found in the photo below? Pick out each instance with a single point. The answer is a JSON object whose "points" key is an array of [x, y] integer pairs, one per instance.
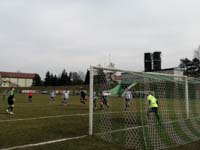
{"points": [[143, 110]]}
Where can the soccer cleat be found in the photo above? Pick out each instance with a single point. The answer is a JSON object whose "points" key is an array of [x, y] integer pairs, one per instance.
{"points": [[11, 113], [7, 110]]}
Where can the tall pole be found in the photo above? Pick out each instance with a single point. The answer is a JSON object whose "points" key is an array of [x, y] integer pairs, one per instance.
{"points": [[187, 98], [91, 102]]}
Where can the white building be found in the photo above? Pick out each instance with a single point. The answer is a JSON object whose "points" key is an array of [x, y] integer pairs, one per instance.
{"points": [[175, 71], [15, 79]]}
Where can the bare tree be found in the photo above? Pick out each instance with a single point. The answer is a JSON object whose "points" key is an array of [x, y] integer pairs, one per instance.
{"points": [[197, 53]]}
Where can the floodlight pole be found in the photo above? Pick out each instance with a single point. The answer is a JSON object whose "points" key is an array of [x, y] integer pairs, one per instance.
{"points": [[91, 102], [187, 98]]}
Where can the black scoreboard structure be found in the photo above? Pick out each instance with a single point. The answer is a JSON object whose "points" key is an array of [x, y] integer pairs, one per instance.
{"points": [[152, 61]]}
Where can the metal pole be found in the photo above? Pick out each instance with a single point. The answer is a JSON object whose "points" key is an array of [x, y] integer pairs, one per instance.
{"points": [[91, 102], [187, 98]]}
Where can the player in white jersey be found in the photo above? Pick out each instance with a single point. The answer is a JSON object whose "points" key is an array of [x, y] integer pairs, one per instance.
{"points": [[52, 96], [65, 97], [128, 97]]}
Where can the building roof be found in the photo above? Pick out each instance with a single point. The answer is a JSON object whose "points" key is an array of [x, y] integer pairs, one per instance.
{"points": [[167, 69], [17, 75]]}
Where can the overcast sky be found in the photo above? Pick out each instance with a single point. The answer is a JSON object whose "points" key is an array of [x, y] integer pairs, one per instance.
{"points": [[41, 35]]}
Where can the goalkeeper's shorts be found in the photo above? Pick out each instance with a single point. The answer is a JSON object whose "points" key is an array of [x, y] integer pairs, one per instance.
{"points": [[153, 109]]}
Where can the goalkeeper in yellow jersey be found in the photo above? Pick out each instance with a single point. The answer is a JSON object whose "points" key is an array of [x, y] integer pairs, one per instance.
{"points": [[153, 106]]}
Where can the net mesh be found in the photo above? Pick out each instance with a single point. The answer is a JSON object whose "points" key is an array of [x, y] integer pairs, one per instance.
{"points": [[124, 116]]}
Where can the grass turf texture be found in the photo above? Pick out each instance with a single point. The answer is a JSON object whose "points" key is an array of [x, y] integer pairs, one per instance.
{"points": [[35, 130], [70, 123]]}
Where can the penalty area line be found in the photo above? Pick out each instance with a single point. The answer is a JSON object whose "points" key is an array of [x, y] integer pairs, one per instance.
{"points": [[49, 117], [45, 117], [45, 143]]}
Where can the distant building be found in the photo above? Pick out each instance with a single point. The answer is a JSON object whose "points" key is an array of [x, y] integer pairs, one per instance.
{"points": [[175, 71], [15, 79], [152, 63]]}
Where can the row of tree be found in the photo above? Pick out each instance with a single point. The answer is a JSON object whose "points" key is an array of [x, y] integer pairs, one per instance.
{"points": [[191, 67], [63, 79]]}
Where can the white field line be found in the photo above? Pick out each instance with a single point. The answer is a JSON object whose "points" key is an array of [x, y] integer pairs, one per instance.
{"points": [[57, 116], [67, 115], [48, 142], [45, 143], [47, 117], [38, 104]]}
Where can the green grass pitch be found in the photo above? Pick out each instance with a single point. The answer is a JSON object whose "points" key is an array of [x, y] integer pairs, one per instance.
{"points": [[42, 121]]}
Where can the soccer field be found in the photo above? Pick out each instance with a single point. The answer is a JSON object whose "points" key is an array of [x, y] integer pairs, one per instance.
{"points": [[45, 125], [42, 121]]}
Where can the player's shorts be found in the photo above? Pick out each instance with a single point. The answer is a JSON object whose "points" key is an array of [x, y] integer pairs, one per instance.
{"points": [[82, 98], [29, 96], [127, 99], [153, 109], [65, 99], [10, 101], [105, 101]]}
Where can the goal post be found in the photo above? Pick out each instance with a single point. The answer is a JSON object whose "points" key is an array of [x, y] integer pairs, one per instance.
{"points": [[187, 97], [121, 113], [91, 102]]}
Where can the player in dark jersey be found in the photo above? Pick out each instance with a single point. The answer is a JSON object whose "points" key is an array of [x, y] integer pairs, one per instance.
{"points": [[82, 96], [11, 100]]}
